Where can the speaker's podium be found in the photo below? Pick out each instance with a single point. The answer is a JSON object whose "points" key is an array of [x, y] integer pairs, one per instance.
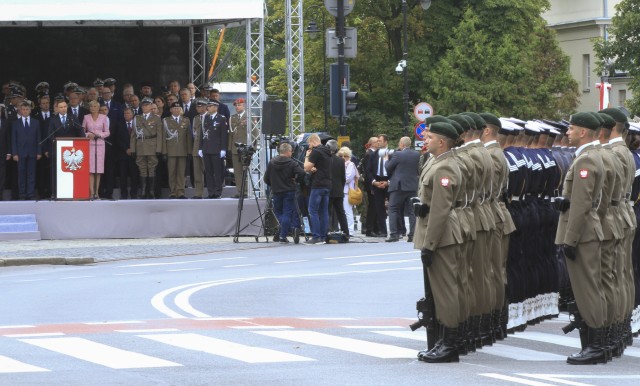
{"points": [[72, 168]]}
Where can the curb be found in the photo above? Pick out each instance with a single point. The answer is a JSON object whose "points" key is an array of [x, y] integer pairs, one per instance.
{"points": [[47, 261]]}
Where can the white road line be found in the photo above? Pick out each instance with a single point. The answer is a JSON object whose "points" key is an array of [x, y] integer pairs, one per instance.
{"points": [[8, 365], [115, 322], [521, 381], [180, 262], [130, 273], [29, 280], [184, 269], [555, 377], [34, 335], [372, 327], [369, 255], [75, 277], [225, 348], [238, 265], [363, 347], [289, 261], [566, 341], [98, 353], [259, 327], [385, 262], [550, 378], [150, 330], [17, 326]]}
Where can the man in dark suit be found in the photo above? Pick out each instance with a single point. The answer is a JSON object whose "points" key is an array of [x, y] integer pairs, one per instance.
{"points": [[187, 104], [43, 169], [115, 108], [126, 163], [5, 149], [368, 219], [61, 125], [380, 182], [402, 169], [223, 109], [75, 108], [213, 148], [25, 141]]}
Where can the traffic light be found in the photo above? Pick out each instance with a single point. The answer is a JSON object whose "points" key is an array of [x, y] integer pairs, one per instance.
{"points": [[349, 98]]}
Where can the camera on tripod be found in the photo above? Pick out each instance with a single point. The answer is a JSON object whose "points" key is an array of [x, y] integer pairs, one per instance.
{"points": [[245, 152], [274, 142]]}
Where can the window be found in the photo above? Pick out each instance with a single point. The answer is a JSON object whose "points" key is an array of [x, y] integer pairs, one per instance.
{"points": [[586, 73]]}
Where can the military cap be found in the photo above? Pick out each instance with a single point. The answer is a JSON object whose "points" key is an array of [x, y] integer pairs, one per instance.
{"points": [[206, 87], [491, 119], [41, 86], [70, 85], [213, 102], [597, 117], [109, 82], [470, 121], [146, 101], [609, 122], [513, 129], [558, 125], [16, 92], [98, 82], [585, 120], [434, 119], [517, 121], [634, 127], [26, 102], [456, 126], [80, 90], [238, 101], [175, 104], [615, 113], [545, 128], [444, 129], [202, 101], [59, 97], [554, 133], [531, 128], [479, 121], [460, 120]]}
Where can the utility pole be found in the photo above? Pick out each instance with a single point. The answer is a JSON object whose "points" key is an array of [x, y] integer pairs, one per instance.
{"points": [[341, 72]]}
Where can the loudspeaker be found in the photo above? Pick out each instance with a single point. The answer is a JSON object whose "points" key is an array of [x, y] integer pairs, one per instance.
{"points": [[273, 118]]}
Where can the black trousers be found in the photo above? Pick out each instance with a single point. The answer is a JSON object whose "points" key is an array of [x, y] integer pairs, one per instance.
{"points": [[214, 171], [336, 207], [127, 169], [3, 173], [43, 177], [379, 197], [372, 215]]}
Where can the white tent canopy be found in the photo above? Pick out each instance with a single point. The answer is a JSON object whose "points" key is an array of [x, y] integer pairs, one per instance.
{"points": [[16, 12]]}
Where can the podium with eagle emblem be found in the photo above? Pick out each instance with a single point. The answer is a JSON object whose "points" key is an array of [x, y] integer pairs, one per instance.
{"points": [[72, 168]]}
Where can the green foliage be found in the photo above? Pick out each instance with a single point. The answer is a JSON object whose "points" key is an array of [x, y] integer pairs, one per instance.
{"points": [[623, 47]]}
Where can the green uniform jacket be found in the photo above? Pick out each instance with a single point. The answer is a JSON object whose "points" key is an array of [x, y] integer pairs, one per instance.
{"points": [[629, 166], [177, 137], [237, 131], [498, 186], [611, 223], [147, 135]]}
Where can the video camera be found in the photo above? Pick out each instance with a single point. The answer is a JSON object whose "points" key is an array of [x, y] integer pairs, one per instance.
{"points": [[245, 152], [274, 142]]}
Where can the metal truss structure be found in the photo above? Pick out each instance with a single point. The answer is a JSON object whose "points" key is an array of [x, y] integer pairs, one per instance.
{"points": [[198, 54], [295, 66]]}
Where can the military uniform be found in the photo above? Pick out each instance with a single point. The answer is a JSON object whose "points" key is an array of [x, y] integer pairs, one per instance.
{"points": [[146, 141], [198, 162], [237, 134], [213, 141], [177, 144]]}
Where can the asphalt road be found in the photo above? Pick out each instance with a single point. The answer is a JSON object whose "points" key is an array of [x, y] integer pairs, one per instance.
{"points": [[288, 315]]}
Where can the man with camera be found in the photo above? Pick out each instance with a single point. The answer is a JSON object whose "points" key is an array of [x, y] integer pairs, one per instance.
{"points": [[281, 175]]}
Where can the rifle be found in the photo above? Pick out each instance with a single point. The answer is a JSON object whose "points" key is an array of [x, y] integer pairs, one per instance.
{"points": [[426, 308], [576, 321]]}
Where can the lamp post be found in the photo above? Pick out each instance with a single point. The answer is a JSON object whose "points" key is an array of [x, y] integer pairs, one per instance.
{"points": [[402, 68], [312, 30]]}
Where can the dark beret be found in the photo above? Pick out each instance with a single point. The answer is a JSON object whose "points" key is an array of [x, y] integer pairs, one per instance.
{"points": [[597, 117], [491, 119], [470, 121], [609, 123], [615, 113], [456, 126], [585, 120], [461, 121], [434, 119], [444, 129], [479, 121]]}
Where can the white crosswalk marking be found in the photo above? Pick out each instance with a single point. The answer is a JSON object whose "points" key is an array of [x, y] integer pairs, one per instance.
{"points": [[566, 341], [226, 349], [99, 353], [501, 350], [377, 350], [8, 365]]}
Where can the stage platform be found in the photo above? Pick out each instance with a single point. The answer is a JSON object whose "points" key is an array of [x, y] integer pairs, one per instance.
{"points": [[126, 219]]}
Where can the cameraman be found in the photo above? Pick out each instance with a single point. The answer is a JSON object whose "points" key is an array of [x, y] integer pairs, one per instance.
{"points": [[281, 175]]}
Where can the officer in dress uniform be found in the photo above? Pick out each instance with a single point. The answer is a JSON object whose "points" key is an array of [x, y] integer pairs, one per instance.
{"points": [[178, 143], [213, 148], [237, 134], [198, 162], [438, 236], [146, 142], [580, 234]]}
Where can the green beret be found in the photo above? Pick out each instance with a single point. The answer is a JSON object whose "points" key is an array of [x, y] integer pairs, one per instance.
{"points": [[597, 116], [491, 119], [585, 120], [480, 123], [444, 129], [609, 123], [456, 126], [470, 121], [434, 119], [461, 121], [615, 113]]}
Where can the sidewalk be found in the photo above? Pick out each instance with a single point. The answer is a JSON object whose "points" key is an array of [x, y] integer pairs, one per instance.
{"points": [[76, 252]]}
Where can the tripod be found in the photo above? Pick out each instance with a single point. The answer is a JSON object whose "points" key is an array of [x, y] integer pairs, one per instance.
{"points": [[243, 190]]}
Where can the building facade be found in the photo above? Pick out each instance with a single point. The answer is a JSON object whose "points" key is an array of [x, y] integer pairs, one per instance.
{"points": [[577, 23]]}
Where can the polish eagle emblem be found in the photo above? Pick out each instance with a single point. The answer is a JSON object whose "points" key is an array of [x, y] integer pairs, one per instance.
{"points": [[73, 158]]}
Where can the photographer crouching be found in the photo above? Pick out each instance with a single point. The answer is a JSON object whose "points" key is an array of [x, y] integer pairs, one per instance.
{"points": [[281, 175]]}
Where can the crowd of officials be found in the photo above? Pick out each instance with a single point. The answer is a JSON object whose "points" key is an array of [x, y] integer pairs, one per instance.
{"points": [[511, 213], [140, 140]]}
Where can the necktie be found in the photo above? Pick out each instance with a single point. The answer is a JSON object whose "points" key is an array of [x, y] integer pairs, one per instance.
{"points": [[186, 107], [63, 119], [26, 123], [129, 127], [75, 111], [108, 104], [177, 119]]}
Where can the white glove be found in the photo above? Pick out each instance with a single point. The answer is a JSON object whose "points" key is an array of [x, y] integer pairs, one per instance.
{"points": [[200, 153], [223, 153]]}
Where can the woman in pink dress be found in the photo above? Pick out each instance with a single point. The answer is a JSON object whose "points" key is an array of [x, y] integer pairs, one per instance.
{"points": [[96, 126]]}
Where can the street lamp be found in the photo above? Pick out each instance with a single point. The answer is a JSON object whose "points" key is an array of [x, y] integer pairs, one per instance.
{"points": [[402, 67], [313, 31]]}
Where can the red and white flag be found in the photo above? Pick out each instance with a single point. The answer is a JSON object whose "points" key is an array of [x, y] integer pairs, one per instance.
{"points": [[72, 168]]}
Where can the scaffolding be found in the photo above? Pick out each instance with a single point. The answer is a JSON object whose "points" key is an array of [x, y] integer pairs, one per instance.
{"points": [[295, 66]]}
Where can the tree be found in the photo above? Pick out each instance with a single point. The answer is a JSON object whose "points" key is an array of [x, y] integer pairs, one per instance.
{"points": [[622, 51]]}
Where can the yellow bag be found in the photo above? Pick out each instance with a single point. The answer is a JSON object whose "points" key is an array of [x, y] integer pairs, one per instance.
{"points": [[355, 196]]}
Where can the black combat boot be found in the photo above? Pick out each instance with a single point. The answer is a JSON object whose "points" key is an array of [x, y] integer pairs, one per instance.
{"points": [[461, 342], [497, 325], [471, 344], [618, 344], [607, 343], [475, 327], [594, 353], [486, 335], [143, 187], [447, 351], [151, 187]]}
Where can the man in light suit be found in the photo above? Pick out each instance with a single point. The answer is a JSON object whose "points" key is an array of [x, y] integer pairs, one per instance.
{"points": [[25, 139], [402, 169]]}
